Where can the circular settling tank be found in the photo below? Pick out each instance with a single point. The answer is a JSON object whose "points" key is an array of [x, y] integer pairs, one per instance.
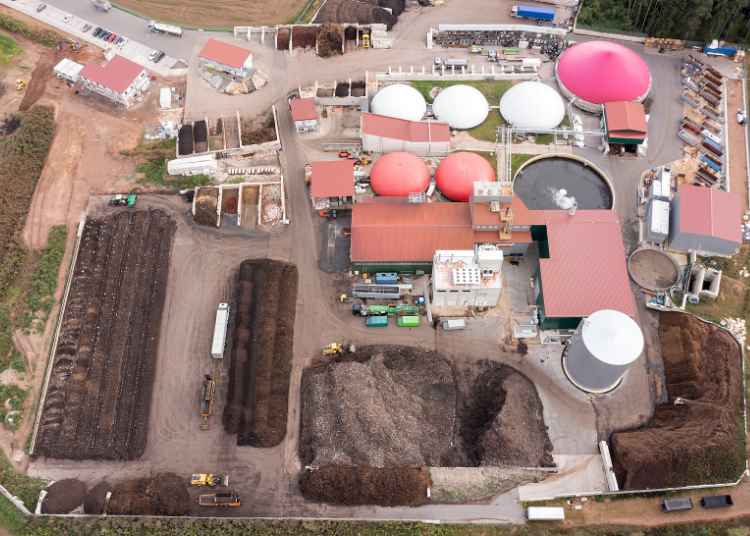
{"points": [[653, 269], [560, 182]]}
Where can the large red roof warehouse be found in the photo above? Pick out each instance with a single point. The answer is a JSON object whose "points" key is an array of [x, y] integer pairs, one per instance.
{"points": [[398, 175], [457, 174], [602, 71]]}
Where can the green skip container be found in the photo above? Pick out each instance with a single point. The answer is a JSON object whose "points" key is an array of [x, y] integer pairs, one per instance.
{"points": [[408, 321], [380, 321]]}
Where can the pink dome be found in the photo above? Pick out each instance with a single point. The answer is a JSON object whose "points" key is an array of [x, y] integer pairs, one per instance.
{"points": [[398, 175], [601, 71], [457, 174]]}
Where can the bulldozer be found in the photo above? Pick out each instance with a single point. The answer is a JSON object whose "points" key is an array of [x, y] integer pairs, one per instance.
{"points": [[20, 85], [338, 348], [208, 480]]}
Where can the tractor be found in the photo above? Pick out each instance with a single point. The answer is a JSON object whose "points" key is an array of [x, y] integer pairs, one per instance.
{"points": [[123, 200], [208, 480], [337, 348]]}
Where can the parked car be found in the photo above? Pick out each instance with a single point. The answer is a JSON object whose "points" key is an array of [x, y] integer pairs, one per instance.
{"points": [[717, 501], [86, 28], [112, 38], [159, 57], [41, 7], [97, 31]]}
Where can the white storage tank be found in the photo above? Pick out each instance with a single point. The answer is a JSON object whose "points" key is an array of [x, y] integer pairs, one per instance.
{"points": [[399, 101], [601, 351]]}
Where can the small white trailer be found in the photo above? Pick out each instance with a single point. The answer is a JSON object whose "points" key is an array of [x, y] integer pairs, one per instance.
{"points": [[545, 513], [205, 164], [220, 331], [168, 29]]}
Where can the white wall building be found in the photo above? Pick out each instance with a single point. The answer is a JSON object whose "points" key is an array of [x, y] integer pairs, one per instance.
{"points": [[227, 58], [121, 80], [467, 278]]}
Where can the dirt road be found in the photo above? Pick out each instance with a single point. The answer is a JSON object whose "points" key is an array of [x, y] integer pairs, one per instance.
{"points": [[738, 172]]}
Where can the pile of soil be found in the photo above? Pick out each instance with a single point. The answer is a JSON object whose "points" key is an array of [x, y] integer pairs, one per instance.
{"points": [[206, 200], [200, 136], [282, 38], [700, 440], [304, 36], [185, 140], [392, 405], [361, 11], [164, 494], [261, 359], [95, 499], [330, 40], [260, 129], [97, 404], [64, 496], [389, 486]]}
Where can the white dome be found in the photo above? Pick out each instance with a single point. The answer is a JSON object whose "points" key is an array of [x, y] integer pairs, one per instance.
{"points": [[400, 101], [612, 337], [532, 105], [461, 107]]}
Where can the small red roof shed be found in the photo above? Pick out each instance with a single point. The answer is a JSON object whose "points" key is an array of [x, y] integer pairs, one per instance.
{"points": [[332, 178], [625, 121], [224, 53], [303, 109]]}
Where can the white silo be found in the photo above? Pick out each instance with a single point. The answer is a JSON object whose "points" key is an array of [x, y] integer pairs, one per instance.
{"points": [[603, 347]]}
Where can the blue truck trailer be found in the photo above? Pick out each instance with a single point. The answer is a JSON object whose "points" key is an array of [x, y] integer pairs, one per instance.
{"points": [[539, 14], [713, 49]]}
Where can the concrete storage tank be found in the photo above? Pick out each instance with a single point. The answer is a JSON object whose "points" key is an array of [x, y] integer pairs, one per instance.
{"points": [[603, 347], [398, 175], [399, 101], [532, 105], [596, 72], [461, 106], [456, 175]]}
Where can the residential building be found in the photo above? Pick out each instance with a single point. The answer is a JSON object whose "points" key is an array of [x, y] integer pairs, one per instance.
{"points": [[120, 80], [332, 184]]}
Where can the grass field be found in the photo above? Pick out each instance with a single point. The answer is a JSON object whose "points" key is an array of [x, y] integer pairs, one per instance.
{"points": [[8, 49], [219, 14]]}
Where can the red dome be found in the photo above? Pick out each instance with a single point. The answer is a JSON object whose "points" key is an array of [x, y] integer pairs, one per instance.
{"points": [[398, 175], [601, 71], [457, 174]]}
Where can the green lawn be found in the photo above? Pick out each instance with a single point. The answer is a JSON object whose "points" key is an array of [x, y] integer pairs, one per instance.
{"points": [[487, 131], [8, 49], [516, 161], [491, 89]]}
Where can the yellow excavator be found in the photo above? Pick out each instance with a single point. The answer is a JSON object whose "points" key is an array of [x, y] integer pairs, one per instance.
{"points": [[20, 85], [208, 480], [338, 348]]}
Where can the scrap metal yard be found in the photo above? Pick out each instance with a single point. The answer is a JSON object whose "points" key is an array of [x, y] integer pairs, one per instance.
{"points": [[450, 268]]}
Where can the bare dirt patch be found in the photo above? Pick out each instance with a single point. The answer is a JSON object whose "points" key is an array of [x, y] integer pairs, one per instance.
{"points": [[389, 406], [701, 439], [97, 404], [364, 12], [261, 359]]}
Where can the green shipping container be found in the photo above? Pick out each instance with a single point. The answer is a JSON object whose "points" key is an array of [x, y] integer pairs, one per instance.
{"points": [[408, 321], [376, 322]]}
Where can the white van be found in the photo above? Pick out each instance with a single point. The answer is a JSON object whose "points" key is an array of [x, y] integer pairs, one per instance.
{"points": [[545, 513]]}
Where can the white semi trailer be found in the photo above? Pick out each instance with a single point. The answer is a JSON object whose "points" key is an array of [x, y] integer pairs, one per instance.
{"points": [[168, 29], [220, 331]]}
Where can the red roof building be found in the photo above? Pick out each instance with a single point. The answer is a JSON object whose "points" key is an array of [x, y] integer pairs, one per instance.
{"points": [[383, 134], [597, 72], [332, 178], [120, 79], [226, 57], [706, 221], [625, 122], [303, 110]]}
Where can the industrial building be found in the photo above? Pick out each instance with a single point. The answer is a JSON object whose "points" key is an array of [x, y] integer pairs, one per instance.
{"points": [[596, 72], [467, 278], [706, 221], [457, 173], [399, 101], [68, 70], [625, 123], [531, 106], [332, 184], [304, 114], [382, 134], [604, 346], [461, 106], [399, 175], [120, 80], [230, 59]]}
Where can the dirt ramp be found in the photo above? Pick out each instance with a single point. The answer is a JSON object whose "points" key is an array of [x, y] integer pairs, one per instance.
{"points": [[389, 486], [64, 496], [697, 437], [164, 494], [99, 394], [261, 358]]}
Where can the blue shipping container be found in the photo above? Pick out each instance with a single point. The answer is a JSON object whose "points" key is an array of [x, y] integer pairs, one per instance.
{"points": [[386, 278], [535, 13], [710, 163], [720, 51]]}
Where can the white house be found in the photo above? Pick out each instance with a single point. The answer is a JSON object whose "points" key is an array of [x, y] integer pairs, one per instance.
{"points": [[227, 58], [466, 278], [304, 114], [121, 80]]}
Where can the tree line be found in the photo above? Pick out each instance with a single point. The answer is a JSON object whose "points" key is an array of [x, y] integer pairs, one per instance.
{"points": [[697, 20]]}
